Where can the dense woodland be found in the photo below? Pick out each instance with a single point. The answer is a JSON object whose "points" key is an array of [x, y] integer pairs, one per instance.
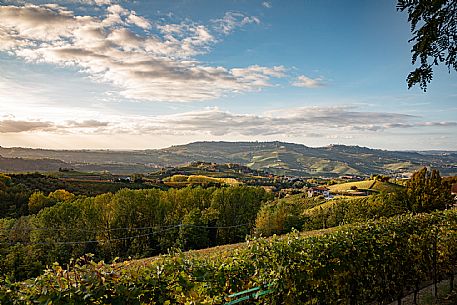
{"points": [[129, 223]]}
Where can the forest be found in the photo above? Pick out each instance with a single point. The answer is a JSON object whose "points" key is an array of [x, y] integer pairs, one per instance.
{"points": [[128, 223]]}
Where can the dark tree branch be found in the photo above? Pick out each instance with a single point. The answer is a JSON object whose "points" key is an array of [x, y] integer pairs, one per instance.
{"points": [[434, 31]]}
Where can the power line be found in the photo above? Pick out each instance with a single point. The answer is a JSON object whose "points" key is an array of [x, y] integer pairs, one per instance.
{"points": [[118, 229], [167, 228], [81, 230], [89, 241]]}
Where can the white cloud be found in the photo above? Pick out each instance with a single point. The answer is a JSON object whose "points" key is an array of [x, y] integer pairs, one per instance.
{"points": [[312, 122], [138, 20], [32, 24], [16, 126], [257, 75], [267, 4], [93, 2], [142, 65], [421, 124], [9, 124], [85, 124], [233, 20], [307, 82], [102, 2]]}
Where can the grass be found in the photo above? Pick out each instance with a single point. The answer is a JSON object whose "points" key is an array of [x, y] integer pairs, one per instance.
{"points": [[398, 166], [361, 185], [184, 180], [373, 185]]}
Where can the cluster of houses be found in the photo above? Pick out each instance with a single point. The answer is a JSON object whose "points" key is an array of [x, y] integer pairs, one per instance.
{"points": [[319, 191], [324, 191]]}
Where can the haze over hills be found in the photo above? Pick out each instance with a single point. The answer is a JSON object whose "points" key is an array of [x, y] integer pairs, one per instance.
{"points": [[276, 157]]}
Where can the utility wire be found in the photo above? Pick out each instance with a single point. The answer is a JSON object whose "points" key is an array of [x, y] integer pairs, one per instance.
{"points": [[167, 228], [82, 230], [90, 241], [21, 229]]}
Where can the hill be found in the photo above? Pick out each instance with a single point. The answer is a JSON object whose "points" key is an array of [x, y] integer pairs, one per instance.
{"points": [[367, 185], [275, 157]]}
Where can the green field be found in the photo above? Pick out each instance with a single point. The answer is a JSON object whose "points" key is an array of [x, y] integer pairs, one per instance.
{"points": [[184, 180], [372, 185]]}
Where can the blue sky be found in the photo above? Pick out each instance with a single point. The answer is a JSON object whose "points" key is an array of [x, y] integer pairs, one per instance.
{"points": [[149, 74]]}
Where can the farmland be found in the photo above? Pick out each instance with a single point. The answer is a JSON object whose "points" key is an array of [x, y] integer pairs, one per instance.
{"points": [[278, 158]]}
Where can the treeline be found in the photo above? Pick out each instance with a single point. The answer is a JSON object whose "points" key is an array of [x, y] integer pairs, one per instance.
{"points": [[426, 191], [129, 223], [376, 262], [15, 190]]}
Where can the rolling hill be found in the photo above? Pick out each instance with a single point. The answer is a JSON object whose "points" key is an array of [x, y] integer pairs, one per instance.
{"points": [[275, 157], [371, 185]]}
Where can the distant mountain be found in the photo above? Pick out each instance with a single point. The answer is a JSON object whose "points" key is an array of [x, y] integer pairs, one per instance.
{"points": [[276, 157]]}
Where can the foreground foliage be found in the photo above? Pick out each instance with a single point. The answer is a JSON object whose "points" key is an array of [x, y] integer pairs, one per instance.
{"points": [[135, 223], [356, 264], [434, 30]]}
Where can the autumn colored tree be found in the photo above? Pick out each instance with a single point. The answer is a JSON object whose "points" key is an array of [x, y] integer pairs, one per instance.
{"points": [[425, 191], [61, 196], [38, 201]]}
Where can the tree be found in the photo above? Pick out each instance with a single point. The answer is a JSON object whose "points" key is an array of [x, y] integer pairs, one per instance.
{"points": [[39, 201], [61, 196], [192, 233], [426, 191], [434, 30], [279, 217]]}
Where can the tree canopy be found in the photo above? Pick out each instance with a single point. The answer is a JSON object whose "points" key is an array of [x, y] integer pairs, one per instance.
{"points": [[426, 191], [434, 30]]}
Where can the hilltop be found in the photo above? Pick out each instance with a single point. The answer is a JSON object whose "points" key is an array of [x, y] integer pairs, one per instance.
{"points": [[275, 157], [365, 186]]}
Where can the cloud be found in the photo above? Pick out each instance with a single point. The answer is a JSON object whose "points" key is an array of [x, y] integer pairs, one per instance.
{"points": [[85, 124], [233, 20], [138, 20], [115, 48], [307, 82], [297, 121], [98, 2], [9, 124], [16, 126], [32, 24], [257, 75], [303, 121], [267, 4], [311, 122], [421, 124], [86, 2]]}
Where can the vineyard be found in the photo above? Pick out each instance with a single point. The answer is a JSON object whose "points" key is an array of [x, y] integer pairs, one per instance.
{"points": [[377, 261]]}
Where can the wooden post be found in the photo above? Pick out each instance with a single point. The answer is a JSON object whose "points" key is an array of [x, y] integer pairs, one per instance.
{"points": [[451, 281], [353, 296], [416, 290], [435, 281], [400, 296]]}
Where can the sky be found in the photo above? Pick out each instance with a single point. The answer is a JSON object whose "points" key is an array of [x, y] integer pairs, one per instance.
{"points": [[112, 74]]}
